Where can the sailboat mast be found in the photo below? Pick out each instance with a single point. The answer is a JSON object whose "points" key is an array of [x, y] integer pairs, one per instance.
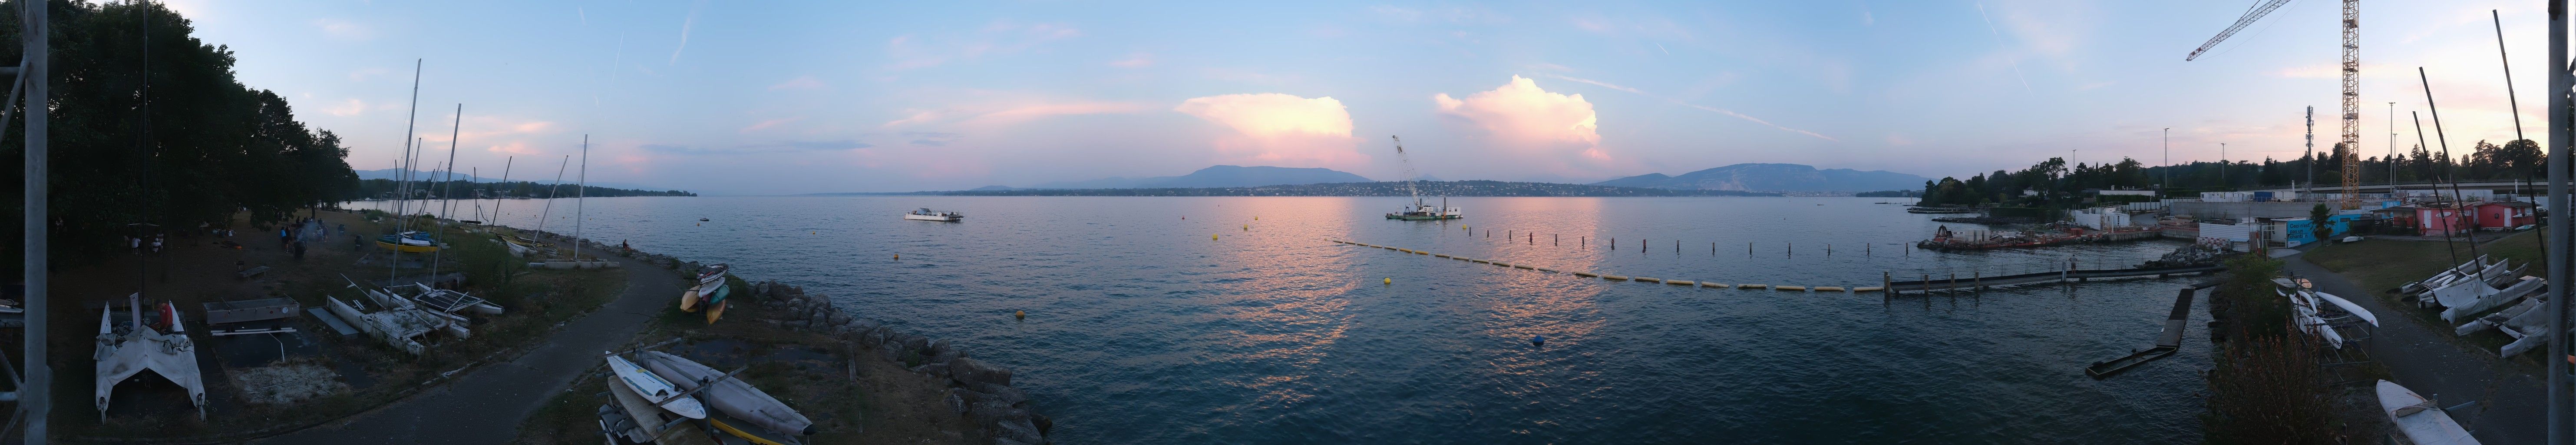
{"points": [[497, 196], [579, 192], [402, 206]]}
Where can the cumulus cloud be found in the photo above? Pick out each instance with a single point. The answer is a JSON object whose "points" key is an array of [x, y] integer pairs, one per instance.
{"points": [[1280, 129], [1523, 120]]}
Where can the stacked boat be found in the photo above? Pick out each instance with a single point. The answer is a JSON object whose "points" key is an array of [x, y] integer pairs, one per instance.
{"points": [[2471, 294], [401, 315], [2333, 319], [709, 294], [657, 391]]}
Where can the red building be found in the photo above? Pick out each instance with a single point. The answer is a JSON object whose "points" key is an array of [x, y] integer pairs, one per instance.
{"points": [[2503, 215]]}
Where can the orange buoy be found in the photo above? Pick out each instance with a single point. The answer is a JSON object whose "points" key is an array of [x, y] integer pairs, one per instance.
{"points": [[1023, 315]]}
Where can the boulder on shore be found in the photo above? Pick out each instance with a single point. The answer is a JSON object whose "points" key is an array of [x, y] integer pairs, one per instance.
{"points": [[970, 372]]}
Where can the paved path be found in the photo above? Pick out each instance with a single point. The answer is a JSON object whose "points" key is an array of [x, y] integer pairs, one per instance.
{"points": [[2430, 360], [486, 405]]}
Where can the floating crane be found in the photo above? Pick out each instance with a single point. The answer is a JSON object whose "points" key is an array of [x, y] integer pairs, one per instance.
{"points": [[2351, 86], [1407, 163], [1419, 210]]}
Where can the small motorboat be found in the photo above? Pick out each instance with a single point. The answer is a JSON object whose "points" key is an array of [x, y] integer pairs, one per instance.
{"points": [[925, 214], [702, 219], [661, 392]]}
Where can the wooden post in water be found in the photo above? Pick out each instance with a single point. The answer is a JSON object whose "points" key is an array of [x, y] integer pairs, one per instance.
{"points": [[1977, 279], [1887, 283], [1583, 241]]}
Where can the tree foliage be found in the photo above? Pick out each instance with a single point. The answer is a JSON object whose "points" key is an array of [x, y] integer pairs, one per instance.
{"points": [[149, 125], [2053, 184]]}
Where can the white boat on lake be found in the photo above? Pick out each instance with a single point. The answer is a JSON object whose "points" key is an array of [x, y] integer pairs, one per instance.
{"points": [[925, 214]]}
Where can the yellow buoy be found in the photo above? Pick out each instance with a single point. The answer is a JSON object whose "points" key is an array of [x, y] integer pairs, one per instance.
{"points": [[898, 257], [1390, 280], [1211, 236], [1023, 315]]}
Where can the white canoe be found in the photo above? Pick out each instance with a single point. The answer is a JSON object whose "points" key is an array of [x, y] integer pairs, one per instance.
{"points": [[2419, 421], [653, 387]]}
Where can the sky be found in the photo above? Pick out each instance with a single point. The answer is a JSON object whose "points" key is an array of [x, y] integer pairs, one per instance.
{"points": [[754, 98]]}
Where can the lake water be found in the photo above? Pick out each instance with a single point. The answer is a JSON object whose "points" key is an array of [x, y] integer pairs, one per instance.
{"points": [[1142, 329]]}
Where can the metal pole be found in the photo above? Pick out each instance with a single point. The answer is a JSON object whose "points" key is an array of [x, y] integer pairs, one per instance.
{"points": [[2168, 182], [36, 398], [2560, 135]]}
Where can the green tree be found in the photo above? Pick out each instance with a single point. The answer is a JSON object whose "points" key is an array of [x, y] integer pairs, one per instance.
{"points": [[172, 140]]}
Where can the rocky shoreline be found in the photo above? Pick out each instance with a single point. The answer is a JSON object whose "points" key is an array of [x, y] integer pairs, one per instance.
{"points": [[978, 391]]}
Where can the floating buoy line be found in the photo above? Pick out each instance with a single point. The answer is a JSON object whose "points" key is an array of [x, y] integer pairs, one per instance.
{"points": [[1611, 277]]}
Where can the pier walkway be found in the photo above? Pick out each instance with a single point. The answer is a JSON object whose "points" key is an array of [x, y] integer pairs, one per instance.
{"points": [[1954, 282]]}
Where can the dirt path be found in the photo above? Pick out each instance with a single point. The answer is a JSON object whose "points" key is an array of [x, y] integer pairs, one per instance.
{"points": [[486, 405], [2427, 359]]}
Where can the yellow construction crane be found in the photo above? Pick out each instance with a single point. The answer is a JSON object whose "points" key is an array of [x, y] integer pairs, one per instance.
{"points": [[2351, 144]]}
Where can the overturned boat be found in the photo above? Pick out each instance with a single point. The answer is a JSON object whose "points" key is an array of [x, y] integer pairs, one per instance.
{"points": [[2419, 419], [125, 349], [728, 396]]}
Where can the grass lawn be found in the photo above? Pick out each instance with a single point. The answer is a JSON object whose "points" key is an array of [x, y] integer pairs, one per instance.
{"points": [[2383, 265]]}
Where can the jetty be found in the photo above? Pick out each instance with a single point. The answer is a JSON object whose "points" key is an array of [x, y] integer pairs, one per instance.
{"points": [[1949, 240], [1953, 282], [2166, 343]]}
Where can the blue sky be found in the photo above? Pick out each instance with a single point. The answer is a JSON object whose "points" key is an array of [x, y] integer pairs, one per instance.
{"points": [[800, 97]]}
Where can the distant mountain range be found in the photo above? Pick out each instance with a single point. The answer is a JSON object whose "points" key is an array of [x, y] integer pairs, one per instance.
{"points": [[1216, 176], [1775, 178]]}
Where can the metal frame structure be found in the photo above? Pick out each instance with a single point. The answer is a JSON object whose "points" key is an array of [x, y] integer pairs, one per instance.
{"points": [[35, 387], [2561, 263]]}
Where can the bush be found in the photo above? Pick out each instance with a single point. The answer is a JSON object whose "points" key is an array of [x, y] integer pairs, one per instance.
{"points": [[2248, 297], [2269, 390]]}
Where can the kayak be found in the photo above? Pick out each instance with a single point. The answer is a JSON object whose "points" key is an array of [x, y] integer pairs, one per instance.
{"points": [[653, 387]]}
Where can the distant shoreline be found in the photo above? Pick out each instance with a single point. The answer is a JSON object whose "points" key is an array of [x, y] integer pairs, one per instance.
{"points": [[1461, 189]]}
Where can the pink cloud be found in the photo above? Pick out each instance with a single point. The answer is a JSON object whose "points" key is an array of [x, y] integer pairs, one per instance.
{"points": [[1523, 120], [1280, 129]]}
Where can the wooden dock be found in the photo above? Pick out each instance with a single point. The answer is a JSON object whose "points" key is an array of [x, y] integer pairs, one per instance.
{"points": [[1954, 282], [2166, 343]]}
